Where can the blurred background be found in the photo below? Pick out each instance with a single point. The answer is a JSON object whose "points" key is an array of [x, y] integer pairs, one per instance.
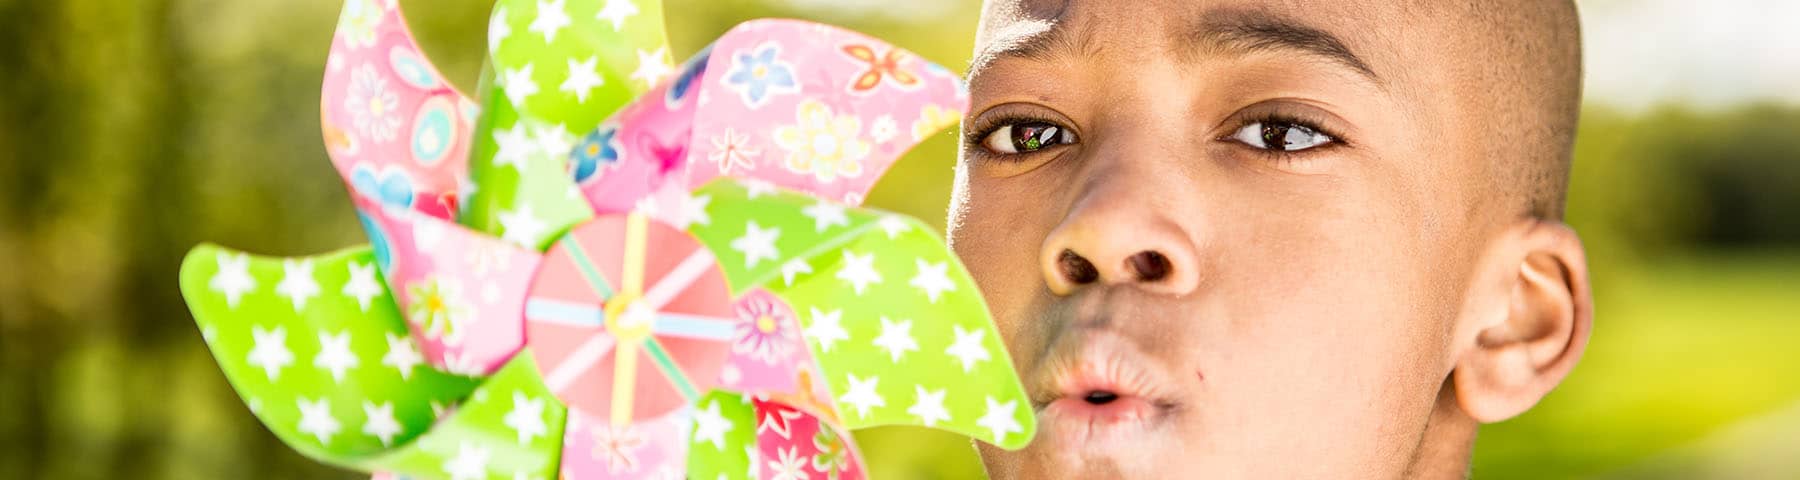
{"points": [[133, 130]]}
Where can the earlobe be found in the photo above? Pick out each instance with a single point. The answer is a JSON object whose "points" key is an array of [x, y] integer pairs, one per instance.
{"points": [[1531, 314]]}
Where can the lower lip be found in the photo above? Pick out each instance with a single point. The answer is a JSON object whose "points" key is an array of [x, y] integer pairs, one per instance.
{"points": [[1088, 421]]}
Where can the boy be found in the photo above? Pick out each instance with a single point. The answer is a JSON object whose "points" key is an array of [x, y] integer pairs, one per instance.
{"points": [[1248, 239]]}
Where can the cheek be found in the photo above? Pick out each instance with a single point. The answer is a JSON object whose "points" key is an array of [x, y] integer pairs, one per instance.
{"points": [[998, 239], [1328, 347]]}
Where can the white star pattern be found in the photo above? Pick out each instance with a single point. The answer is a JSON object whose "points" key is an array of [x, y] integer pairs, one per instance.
{"points": [[757, 243], [316, 419], [794, 268], [928, 406], [518, 84], [825, 214], [896, 338], [616, 11], [893, 225], [967, 348], [583, 77], [513, 147], [693, 210], [498, 29], [999, 419], [526, 417], [334, 354], [859, 270], [233, 279], [470, 462], [652, 66], [933, 278], [521, 226], [381, 423], [362, 284], [401, 355], [554, 140], [270, 350], [862, 394], [297, 282], [827, 328], [551, 17], [758, 188], [710, 426]]}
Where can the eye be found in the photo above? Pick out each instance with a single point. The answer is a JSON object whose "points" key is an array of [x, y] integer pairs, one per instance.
{"points": [[1026, 137], [1280, 136]]}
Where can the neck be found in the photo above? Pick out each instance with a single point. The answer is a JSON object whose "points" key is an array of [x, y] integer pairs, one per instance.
{"points": [[1446, 446]]}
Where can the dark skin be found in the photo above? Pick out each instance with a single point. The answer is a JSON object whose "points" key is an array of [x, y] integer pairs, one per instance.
{"points": [[1239, 239]]}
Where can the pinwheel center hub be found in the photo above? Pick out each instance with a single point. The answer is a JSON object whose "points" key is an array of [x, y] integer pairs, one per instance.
{"points": [[628, 319]]}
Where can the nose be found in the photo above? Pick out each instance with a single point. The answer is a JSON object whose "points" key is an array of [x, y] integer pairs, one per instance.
{"points": [[1119, 233]]}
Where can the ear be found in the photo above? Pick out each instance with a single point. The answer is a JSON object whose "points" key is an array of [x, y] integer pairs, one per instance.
{"points": [[1526, 321]]}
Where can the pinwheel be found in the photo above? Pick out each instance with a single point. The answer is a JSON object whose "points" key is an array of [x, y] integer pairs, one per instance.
{"points": [[685, 289]]}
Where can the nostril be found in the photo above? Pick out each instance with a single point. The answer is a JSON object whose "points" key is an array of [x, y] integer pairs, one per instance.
{"points": [[1100, 397], [1076, 269], [1149, 265]]}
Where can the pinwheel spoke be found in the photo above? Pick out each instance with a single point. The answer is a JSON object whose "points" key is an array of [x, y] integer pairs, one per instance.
{"points": [[564, 313], [637, 227], [579, 360], [624, 382], [684, 274], [671, 370], [594, 280], [694, 326]]}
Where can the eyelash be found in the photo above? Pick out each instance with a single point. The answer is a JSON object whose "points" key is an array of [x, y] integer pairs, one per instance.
{"points": [[973, 142]]}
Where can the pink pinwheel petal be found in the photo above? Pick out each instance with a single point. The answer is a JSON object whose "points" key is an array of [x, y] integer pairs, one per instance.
{"points": [[394, 127], [462, 292]]}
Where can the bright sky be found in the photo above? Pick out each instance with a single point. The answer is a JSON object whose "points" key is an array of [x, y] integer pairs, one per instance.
{"points": [[1711, 53]]}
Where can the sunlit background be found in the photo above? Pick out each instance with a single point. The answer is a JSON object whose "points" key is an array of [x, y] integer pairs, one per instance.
{"points": [[133, 130]]}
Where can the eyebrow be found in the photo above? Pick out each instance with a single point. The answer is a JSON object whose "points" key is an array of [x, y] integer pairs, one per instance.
{"points": [[1222, 32], [1239, 32]]}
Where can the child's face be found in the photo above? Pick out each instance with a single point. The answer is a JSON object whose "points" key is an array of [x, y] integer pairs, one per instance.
{"points": [[1181, 295]]}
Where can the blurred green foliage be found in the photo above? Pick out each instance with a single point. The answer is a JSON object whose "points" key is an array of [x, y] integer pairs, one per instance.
{"points": [[134, 130]]}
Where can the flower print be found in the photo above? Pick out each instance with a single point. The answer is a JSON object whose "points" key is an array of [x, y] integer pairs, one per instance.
{"points": [[732, 150], [887, 66], [763, 330], [788, 465], [618, 446], [834, 457], [759, 74], [359, 21], [372, 105], [599, 149], [883, 129], [684, 83], [822, 143], [438, 308], [932, 118]]}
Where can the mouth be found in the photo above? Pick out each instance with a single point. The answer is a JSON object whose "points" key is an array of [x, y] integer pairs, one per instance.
{"points": [[1100, 390]]}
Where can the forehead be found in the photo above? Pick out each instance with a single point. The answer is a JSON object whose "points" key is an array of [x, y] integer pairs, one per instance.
{"points": [[1369, 38]]}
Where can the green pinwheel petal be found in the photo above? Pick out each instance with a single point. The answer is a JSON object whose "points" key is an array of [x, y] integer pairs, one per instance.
{"points": [[886, 308], [511, 427], [724, 437], [320, 353], [318, 349], [555, 71]]}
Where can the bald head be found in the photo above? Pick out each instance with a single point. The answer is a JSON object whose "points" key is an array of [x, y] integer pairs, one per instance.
{"points": [[1527, 89]]}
